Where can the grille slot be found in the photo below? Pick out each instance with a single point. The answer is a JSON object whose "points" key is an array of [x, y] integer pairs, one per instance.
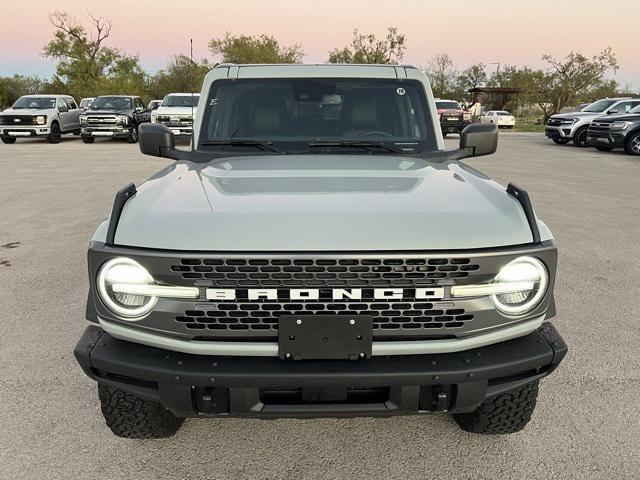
{"points": [[317, 273]]}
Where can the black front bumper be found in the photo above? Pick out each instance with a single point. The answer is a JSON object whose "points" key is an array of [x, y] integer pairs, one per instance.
{"points": [[606, 139], [199, 385]]}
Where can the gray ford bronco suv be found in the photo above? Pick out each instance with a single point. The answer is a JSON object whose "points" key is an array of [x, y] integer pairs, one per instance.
{"points": [[318, 252]]}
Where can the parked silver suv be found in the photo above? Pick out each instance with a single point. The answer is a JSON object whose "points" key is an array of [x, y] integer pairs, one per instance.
{"points": [[47, 116], [563, 128]]}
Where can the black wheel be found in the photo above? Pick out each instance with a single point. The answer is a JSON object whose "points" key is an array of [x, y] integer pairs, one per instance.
{"points": [[130, 416], [56, 135], [632, 146], [133, 134], [507, 412], [561, 141], [580, 137], [602, 148], [88, 139], [8, 140]]}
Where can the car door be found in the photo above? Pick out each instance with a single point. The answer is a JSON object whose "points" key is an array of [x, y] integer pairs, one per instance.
{"points": [[74, 114], [63, 115], [142, 111]]}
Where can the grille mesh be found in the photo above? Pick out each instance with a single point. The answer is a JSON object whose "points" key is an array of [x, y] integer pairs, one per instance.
{"points": [[316, 273]]}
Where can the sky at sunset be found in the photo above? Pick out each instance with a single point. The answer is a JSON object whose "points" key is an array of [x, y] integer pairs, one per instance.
{"points": [[470, 31]]}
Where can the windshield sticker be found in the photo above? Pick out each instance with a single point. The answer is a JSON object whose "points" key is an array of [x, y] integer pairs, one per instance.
{"points": [[400, 91]]}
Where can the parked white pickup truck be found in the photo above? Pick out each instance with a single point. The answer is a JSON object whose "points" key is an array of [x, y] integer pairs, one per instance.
{"points": [[177, 112]]}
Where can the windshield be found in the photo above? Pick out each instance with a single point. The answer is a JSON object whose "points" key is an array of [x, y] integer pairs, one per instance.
{"points": [[111, 103], [85, 102], [448, 105], [504, 114], [180, 101], [599, 106], [296, 114], [36, 103]]}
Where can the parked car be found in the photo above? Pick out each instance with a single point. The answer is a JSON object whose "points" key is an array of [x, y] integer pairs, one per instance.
{"points": [[563, 128], [154, 104], [616, 131], [114, 116], [86, 102], [320, 252], [177, 112], [453, 118], [498, 117], [48, 116]]}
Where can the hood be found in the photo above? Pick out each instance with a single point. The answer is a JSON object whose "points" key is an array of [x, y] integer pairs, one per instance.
{"points": [[321, 203], [630, 117], [26, 111], [175, 110], [576, 115], [125, 111]]}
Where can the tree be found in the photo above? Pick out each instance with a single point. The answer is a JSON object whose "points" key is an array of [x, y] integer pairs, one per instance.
{"points": [[472, 77], [368, 49], [85, 65], [12, 88], [443, 76], [180, 75], [254, 49]]}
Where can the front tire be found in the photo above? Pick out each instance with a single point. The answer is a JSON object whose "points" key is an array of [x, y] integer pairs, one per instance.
{"points": [[507, 412], [580, 137], [632, 145], [561, 141], [8, 140], [56, 134], [130, 416], [88, 139], [133, 135]]}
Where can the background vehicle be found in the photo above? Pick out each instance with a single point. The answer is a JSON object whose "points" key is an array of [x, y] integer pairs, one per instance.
{"points": [[453, 118], [566, 127], [267, 272], [177, 112], [154, 104], [86, 102], [114, 116], [47, 116], [616, 131], [498, 117]]}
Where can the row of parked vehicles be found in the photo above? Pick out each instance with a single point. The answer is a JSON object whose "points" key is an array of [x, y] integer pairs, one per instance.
{"points": [[454, 118], [606, 124], [108, 116]]}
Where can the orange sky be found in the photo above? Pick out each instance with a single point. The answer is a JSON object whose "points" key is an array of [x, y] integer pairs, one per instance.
{"points": [[470, 31]]}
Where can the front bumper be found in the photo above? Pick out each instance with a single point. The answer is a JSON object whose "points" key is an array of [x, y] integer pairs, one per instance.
{"points": [[614, 139], [179, 130], [106, 132], [200, 385], [19, 132], [562, 132]]}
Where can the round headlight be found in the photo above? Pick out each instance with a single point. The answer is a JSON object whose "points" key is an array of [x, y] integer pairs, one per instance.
{"points": [[532, 274], [115, 279]]}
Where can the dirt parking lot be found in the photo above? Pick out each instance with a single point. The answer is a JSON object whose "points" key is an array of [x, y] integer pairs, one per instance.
{"points": [[586, 425]]}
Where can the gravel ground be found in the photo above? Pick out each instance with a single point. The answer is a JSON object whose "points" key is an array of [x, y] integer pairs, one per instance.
{"points": [[585, 426]]}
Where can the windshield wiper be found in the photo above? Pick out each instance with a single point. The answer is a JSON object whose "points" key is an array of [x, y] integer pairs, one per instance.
{"points": [[262, 145], [357, 144]]}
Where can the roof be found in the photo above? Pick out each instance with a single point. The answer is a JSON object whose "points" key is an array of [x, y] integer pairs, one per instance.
{"points": [[494, 90], [183, 93], [47, 95], [318, 70]]}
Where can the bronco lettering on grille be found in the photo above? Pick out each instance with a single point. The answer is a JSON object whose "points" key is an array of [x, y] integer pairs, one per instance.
{"points": [[316, 294]]}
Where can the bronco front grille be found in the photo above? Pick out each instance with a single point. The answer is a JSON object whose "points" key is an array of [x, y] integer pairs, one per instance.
{"points": [[356, 272]]}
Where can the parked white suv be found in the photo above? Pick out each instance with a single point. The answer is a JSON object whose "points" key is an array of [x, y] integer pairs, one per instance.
{"points": [[47, 116], [177, 112], [566, 127]]}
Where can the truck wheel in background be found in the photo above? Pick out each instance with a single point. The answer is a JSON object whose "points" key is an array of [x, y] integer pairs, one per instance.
{"points": [[8, 140], [130, 416], [632, 145], [507, 412], [580, 137], [88, 139], [56, 135], [561, 141], [133, 135]]}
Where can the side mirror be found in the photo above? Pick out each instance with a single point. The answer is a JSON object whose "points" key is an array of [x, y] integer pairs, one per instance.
{"points": [[156, 140], [63, 109], [479, 139], [612, 111]]}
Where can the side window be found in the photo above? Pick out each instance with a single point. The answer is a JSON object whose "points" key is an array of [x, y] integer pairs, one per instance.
{"points": [[61, 103], [623, 107], [71, 103], [139, 103]]}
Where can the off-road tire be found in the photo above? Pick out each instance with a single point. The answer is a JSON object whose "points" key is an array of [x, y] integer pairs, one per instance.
{"points": [[130, 416], [632, 145], [56, 134], [580, 137], [133, 135], [88, 139], [8, 140], [602, 148], [561, 141], [507, 412]]}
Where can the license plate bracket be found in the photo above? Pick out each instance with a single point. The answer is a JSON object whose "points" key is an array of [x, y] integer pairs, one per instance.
{"points": [[325, 337]]}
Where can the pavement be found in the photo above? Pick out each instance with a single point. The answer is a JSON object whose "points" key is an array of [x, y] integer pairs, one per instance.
{"points": [[585, 425]]}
